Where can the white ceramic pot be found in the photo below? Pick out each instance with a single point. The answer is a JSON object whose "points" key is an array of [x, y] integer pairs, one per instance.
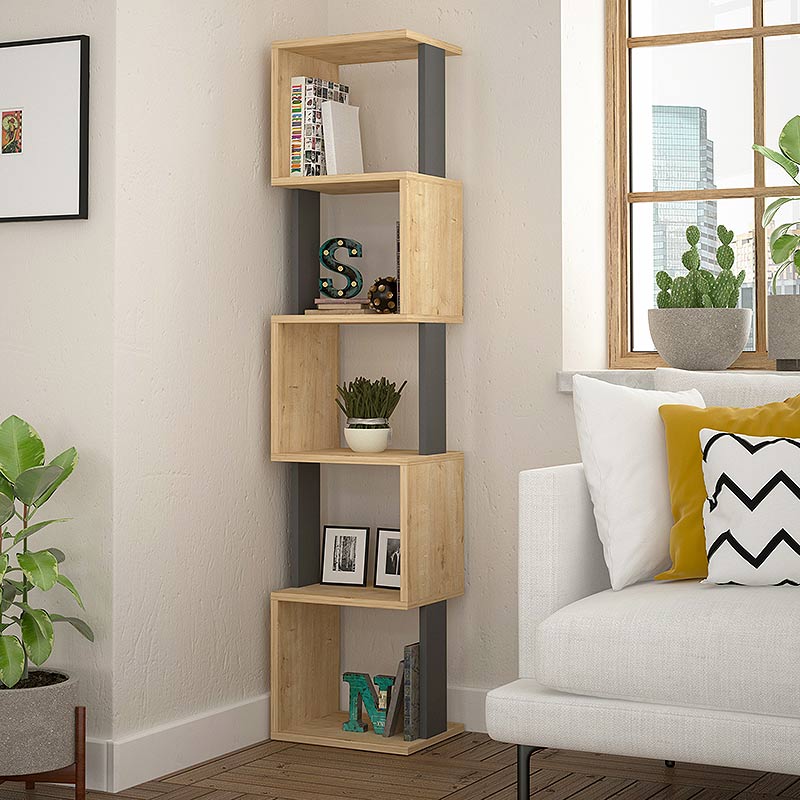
{"points": [[41, 724], [372, 435], [700, 338]]}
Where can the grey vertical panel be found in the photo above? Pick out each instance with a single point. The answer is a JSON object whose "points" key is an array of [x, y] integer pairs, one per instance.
{"points": [[430, 101], [304, 479], [433, 669], [787, 365], [432, 388], [304, 524], [305, 250]]}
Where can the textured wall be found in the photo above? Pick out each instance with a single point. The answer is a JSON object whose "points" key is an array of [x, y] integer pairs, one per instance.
{"points": [[56, 349], [503, 117], [200, 512]]}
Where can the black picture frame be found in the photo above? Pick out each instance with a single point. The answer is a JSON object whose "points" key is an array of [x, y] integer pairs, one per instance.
{"points": [[363, 578], [396, 535], [83, 149]]}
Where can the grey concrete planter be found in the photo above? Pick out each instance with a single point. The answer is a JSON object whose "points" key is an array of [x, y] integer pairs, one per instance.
{"points": [[37, 728], [700, 338], [783, 326]]}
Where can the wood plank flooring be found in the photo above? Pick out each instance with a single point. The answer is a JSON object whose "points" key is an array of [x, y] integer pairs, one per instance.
{"points": [[469, 767]]}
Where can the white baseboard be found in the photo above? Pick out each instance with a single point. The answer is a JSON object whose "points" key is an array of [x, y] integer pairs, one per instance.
{"points": [[113, 766]]}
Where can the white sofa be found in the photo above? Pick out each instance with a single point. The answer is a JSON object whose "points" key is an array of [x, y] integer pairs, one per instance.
{"points": [[674, 671]]}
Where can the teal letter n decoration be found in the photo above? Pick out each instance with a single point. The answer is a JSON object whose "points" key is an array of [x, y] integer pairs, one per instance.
{"points": [[363, 695]]}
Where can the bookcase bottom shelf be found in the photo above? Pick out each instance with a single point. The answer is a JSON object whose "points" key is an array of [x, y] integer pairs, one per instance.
{"points": [[327, 732]]}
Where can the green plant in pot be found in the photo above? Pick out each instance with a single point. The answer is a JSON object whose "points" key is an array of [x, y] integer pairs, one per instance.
{"points": [[367, 406], [39, 704], [783, 310], [697, 324]]}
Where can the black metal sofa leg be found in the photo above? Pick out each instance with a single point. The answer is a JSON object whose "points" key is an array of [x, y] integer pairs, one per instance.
{"points": [[524, 752]]}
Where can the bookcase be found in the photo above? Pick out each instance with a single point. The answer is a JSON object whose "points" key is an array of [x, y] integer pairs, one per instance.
{"points": [[306, 425]]}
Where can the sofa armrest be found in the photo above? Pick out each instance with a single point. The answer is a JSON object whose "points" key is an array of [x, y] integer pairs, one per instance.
{"points": [[560, 555]]}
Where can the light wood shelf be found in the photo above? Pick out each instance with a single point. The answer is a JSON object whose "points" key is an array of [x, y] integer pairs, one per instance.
{"points": [[327, 731], [364, 48], [363, 319], [388, 458], [358, 183]]}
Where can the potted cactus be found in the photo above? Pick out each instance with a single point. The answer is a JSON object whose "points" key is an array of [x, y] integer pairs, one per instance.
{"points": [[783, 310], [697, 324], [37, 706], [367, 405]]}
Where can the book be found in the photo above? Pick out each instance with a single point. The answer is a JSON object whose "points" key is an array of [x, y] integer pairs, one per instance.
{"points": [[338, 311], [307, 156], [340, 301], [342, 136], [411, 692], [394, 714]]}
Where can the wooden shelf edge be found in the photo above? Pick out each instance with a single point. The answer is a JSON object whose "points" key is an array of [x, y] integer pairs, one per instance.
{"points": [[344, 48], [359, 183], [388, 458], [363, 319], [327, 732], [355, 597]]}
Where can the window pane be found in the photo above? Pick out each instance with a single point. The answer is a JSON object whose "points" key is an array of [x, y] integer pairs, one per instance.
{"points": [[781, 12], [654, 17], [658, 240], [688, 132], [781, 57]]}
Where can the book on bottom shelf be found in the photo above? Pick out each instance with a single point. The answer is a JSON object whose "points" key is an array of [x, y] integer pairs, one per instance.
{"points": [[307, 139], [411, 692]]}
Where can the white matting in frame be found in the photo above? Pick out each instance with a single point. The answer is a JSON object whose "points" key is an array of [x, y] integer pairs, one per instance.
{"points": [[44, 121]]}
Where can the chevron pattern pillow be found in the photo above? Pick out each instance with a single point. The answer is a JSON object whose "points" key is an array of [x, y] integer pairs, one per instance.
{"points": [[752, 508]]}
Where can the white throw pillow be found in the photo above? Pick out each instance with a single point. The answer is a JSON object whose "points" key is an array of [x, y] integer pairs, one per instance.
{"points": [[752, 508], [624, 455]]}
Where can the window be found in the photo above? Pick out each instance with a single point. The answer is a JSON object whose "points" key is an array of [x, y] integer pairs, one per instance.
{"points": [[691, 85]]}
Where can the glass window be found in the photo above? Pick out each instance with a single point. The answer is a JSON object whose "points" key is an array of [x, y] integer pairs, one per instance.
{"points": [[652, 17]]}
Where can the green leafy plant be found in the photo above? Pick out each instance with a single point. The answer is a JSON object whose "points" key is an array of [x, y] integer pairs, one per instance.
{"points": [[700, 288], [784, 247], [26, 484], [366, 399]]}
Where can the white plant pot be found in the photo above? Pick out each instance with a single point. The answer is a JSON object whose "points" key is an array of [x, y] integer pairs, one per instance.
{"points": [[367, 440]]}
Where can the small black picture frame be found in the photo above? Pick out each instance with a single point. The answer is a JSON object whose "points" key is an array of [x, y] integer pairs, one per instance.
{"points": [[387, 559], [75, 185], [345, 553]]}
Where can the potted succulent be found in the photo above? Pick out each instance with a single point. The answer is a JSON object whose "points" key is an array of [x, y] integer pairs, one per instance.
{"points": [[39, 705], [783, 310], [697, 324], [367, 406]]}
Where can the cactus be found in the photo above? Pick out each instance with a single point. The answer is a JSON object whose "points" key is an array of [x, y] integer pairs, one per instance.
{"points": [[700, 288]]}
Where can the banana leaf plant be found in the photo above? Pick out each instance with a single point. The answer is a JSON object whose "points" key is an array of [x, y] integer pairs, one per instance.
{"points": [[784, 242], [26, 484]]}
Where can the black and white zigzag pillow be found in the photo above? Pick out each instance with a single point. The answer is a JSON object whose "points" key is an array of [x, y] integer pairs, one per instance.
{"points": [[752, 509]]}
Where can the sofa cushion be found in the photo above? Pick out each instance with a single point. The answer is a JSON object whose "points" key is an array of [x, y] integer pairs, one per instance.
{"points": [[731, 648]]}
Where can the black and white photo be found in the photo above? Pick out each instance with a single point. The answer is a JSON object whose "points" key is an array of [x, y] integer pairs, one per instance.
{"points": [[344, 555], [387, 559]]}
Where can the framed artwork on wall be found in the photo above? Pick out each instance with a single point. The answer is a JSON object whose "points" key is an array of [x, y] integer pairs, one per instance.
{"points": [[44, 129], [344, 555], [387, 559]]}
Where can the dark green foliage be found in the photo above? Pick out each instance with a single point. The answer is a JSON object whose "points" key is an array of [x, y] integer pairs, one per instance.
{"points": [[366, 399]]}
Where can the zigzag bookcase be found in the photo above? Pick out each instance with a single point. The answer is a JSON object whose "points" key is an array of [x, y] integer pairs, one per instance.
{"points": [[305, 428]]}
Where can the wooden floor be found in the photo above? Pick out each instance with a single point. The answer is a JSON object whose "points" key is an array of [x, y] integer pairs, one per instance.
{"points": [[468, 767]]}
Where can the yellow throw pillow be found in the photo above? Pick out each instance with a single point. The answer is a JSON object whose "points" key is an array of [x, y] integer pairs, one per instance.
{"points": [[682, 426]]}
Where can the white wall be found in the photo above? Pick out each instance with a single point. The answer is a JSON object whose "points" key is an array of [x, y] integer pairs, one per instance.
{"points": [[57, 349], [583, 207]]}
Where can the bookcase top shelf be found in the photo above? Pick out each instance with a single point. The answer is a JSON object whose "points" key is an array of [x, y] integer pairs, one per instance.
{"points": [[361, 183], [365, 48]]}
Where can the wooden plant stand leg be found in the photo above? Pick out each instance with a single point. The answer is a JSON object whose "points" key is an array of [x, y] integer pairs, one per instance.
{"points": [[75, 773]]}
